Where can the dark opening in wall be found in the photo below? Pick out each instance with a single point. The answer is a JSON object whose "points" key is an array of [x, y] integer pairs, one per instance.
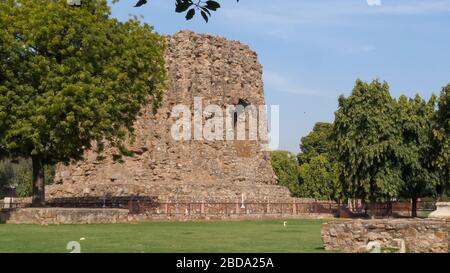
{"points": [[239, 111]]}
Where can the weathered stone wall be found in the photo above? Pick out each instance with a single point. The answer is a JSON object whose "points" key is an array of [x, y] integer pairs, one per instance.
{"points": [[53, 216], [48, 216], [222, 72], [420, 236]]}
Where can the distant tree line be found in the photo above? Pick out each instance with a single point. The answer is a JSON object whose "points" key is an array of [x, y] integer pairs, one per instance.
{"points": [[377, 149]]}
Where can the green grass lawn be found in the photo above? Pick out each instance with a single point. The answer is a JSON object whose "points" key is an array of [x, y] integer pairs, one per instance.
{"points": [[203, 237]]}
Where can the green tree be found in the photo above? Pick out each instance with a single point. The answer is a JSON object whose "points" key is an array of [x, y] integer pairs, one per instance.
{"points": [[441, 137], [415, 152], [316, 143], [318, 179], [285, 166], [318, 170], [366, 138], [71, 77]]}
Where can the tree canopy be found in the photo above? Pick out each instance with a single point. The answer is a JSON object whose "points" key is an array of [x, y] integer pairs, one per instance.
{"points": [[318, 178], [315, 143], [441, 136], [377, 149], [366, 139], [415, 153], [71, 76], [318, 170], [285, 166]]}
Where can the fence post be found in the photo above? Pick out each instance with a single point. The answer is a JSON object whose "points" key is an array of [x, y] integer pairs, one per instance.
{"points": [[130, 207], [294, 207], [202, 208], [237, 207], [167, 207], [282, 208], [268, 207]]}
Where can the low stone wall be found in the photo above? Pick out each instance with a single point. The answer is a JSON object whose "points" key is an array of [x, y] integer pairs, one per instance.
{"points": [[49, 216], [46, 216], [419, 236], [136, 218]]}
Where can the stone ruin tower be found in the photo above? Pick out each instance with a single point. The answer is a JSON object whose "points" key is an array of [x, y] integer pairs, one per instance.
{"points": [[222, 72]]}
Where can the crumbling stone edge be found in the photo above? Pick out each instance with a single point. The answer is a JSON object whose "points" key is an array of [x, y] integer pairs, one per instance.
{"points": [[416, 235]]}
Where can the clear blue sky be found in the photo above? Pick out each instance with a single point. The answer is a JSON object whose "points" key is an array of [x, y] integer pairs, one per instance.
{"points": [[312, 51]]}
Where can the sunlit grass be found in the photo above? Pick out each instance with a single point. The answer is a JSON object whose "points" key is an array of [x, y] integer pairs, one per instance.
{"points": [[204, 237]]}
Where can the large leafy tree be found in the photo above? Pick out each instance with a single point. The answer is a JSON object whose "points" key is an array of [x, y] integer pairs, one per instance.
{"points": [[415, 154], [366, 138], [70, 77], [441, 133], [316, 143], [285, 166]]}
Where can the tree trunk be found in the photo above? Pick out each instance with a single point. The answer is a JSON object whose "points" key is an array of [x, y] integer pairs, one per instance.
{"points": [[414, 207], [372, 210], [440, 192], [38, 182]]}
